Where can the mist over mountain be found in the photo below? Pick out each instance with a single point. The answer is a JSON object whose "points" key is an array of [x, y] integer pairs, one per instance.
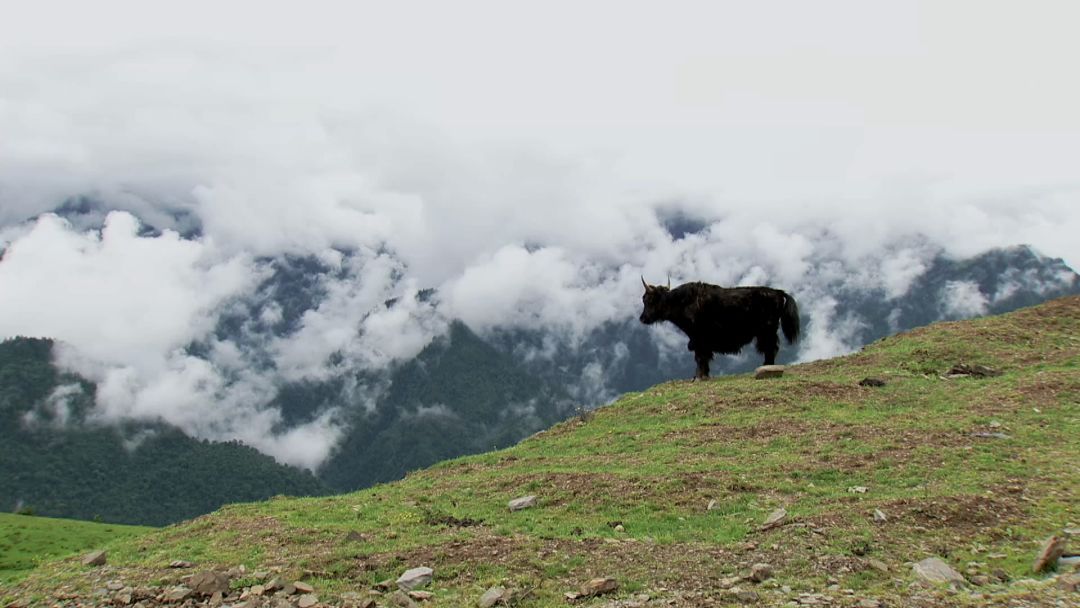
{"points": [[342, 363]]}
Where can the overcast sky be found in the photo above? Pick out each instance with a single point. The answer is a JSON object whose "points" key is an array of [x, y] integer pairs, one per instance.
{"points": [[514, 155]]}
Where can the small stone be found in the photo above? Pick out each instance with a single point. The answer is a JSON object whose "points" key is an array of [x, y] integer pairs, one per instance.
{"points": [[208, 582], [114, 585], [260, 575], [760, 572], [491, 597], [307, 600], [728, 582], [257, 590], [768, 371], [217, 598], [858, 490], [524, 502], [775, 519], [713, 505], [868, 603], [384, 585], [96, 558], [414, 578], [302, 587], [934, 570], [421, 596], [620, 528], [177, 594], [598, 586], [877, 564], [179, 563], [880, 517], [1051, 551]]}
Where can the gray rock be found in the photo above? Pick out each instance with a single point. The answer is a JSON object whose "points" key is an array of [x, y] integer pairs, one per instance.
{"points": [[934, 570], [492, 596], [179, 563], [524, 502], [776, 518], [307, 600], [415, 578], [177, 594], [1070, 582], [209, 583], [877, 564], [879, 516], [769, 371], [302, 587], [96, 558]]}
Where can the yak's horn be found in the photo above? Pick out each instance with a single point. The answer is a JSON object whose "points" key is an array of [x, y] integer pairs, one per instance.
{"points": [[644, 283], [669, 281]]}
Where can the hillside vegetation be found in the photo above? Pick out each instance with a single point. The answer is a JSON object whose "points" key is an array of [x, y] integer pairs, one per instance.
{"points": [[977, 471], [26, 541]]}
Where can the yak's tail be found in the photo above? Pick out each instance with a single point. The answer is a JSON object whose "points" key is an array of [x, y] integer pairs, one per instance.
{"points": [[789, 319]]}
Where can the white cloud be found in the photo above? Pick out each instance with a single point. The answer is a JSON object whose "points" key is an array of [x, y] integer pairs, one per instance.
{"points": [[963, 299], [519, 176]]}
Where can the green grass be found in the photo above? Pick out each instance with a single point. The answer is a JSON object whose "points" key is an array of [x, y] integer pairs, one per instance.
{"points": [[654, 460], [26, 541]]}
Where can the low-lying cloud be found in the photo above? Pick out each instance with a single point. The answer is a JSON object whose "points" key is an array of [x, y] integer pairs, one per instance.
{"points": [[542, 211]]}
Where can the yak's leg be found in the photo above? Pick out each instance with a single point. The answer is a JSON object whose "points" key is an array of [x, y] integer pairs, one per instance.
{"points": [[768, 345], [702, 357]]}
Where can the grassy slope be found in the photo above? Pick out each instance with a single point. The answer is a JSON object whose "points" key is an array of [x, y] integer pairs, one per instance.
{"points": [[26, 541], [654, 460]]}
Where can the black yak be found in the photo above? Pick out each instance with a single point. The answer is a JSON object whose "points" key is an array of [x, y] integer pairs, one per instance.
{"points": [[723, 319]]}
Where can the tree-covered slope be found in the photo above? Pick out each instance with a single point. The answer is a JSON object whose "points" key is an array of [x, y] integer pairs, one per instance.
{"points": [[56, 463], [668, 491], [459, 396]]}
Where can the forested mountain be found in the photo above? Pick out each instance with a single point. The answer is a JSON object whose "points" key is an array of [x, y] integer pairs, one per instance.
{"points": [[56, 461]]}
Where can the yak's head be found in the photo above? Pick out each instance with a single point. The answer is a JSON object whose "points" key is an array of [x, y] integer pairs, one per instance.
{"points": [[654, 302]]}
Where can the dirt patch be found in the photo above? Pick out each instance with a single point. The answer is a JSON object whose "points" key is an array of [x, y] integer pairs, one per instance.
{"points": [[961, 514], [1049, 388]]}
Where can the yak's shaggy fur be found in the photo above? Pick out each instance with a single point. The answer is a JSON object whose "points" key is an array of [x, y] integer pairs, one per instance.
{"points": [[723, 319]]}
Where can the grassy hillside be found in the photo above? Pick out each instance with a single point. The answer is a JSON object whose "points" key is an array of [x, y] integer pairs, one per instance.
{"points": [[26, 541], [975, 471]]}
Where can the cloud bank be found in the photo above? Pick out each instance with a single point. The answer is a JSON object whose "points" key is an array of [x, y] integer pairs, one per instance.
{"points": [[530, 184]]}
